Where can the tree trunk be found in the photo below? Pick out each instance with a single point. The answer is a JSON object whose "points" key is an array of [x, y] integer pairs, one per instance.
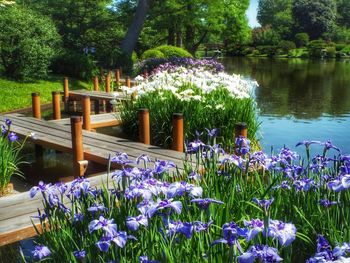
{"points": [[171, 36], [134, 30], [179, 39]]}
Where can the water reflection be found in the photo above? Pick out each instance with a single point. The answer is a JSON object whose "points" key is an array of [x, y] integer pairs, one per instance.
{"points": [[306, 89], [299, 99]]}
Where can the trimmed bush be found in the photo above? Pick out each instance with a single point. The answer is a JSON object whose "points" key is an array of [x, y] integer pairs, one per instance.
{"points": [[316, 48], [331, 52], [171, 51], [302, 39], [28, 42], [286, 45], [152, 53]]}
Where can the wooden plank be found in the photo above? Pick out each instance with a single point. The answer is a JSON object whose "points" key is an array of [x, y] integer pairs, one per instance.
{"points": [[97, 120], [117, 142], [15, 222], [98, 95]]}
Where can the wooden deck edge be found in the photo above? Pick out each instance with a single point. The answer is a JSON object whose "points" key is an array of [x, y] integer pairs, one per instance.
{"points": [[18, 235]]}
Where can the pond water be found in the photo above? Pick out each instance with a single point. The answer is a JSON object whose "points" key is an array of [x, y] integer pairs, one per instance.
{"points": [[299, 99]]}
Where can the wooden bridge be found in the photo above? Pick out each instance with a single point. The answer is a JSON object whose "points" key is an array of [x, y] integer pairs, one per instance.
{"points": [[15, 212]]}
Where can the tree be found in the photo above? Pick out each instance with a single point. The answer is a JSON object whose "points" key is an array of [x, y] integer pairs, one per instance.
{"points": [[343, 8], [278, 14], [27, 42], [132, 35], [314, 17]]}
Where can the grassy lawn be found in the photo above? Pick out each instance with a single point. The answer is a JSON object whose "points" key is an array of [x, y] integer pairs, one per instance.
{"points": [[15, 95]]}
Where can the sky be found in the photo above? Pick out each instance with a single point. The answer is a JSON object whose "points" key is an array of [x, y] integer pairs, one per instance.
{"points": [[251, 13]]}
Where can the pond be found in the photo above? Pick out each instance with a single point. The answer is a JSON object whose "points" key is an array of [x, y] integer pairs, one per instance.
{"points": [[299, 99]]}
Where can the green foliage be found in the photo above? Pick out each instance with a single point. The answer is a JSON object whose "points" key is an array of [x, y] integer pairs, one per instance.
{"points": [[330, 52], [152, 53], [286, 45], [265, 36], [343, 7], [268, 50], [171, 51], [314, 17], [316, 48], [10, 158], [346, 50], [339, 34], [75, 64], [302, 39], [28, 41]]}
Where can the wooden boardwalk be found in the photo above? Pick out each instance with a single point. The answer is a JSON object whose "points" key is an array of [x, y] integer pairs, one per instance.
{"points": [[15, 211], [97, 120], [97, 95]]}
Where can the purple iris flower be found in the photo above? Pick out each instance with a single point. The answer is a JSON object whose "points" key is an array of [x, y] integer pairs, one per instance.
{"points": [[78, 217], [307, 143], [231, 232], [133, 223], [3, 129], [304, 184], [8, 122], [324, 252], [80, 186], [61, 187], [143, 157], [202, 227], [144, 259], [166, 203], [255, 226], [194, 176], [284, 232], [262, 252], [204, 203], [286, 156], [41, 252], [177, 227], [326, 203], [264, 203], [41, 187], [335, 185], [161, 166], [79, 254], [213, 132], [282, 185], [329, 145], [12, 137], [107, 225], [194, 147], [121, 158], [181, 188], [242, 145], [97, 207], [104, 243]]}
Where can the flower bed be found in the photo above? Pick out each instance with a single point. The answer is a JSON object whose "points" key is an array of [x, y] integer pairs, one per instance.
{"points": [[200, 90], [225, 208]]}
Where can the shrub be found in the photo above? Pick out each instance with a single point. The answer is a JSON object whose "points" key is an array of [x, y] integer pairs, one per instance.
{"points": [[265, 36], [316, 48], [302, 39], [331, 52], [152, 53], [346, 50], [171, 51], [286, 45], [74, 64], [206, 98], [340, 46], [255, 52], [27, 42], [267, 49]]}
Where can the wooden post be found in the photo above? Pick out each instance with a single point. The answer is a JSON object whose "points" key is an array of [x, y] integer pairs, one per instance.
{"points": [[178, 132], [77, 144], [66, 94], [86, 113], [117, 76], [56, 105], [36, 105], [127, 82], [121, 71], [96, 83], [144, 126], [108, 82], [241, 129]]}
